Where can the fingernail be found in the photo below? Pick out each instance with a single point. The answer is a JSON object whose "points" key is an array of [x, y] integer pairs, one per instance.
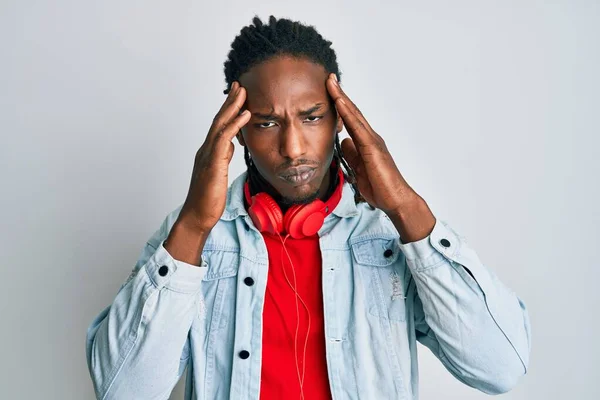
{"points": [[238, 90]]}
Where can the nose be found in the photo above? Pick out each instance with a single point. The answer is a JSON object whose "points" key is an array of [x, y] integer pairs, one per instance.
{"points": [[293, 143]]}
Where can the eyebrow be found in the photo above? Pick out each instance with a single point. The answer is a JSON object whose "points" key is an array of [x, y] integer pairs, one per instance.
{"points": [[302, 113]]}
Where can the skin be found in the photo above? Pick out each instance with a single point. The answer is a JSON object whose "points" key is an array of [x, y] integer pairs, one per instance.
{"points": [[279, 136], [284, 87], [293, 123], [378, 178]]}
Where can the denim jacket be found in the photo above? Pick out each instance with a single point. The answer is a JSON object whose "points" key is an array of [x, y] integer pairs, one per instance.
{"points": [[380, 298]]}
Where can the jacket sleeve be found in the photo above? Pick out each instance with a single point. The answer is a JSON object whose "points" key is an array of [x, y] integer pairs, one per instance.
{"points": [[476, 326], [137, 348]]}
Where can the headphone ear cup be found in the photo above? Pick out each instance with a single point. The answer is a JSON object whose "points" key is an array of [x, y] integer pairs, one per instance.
{"points": [[304, 220], [266, 214], [289, 215]]}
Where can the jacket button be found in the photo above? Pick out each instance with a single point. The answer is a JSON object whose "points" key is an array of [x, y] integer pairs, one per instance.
{"points": [[249, 281], [445, 242], [244, 354], [388, 253], [162, 271]]}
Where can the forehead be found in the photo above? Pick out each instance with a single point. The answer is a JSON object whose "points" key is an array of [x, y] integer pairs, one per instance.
{"points": [[285, 83]]}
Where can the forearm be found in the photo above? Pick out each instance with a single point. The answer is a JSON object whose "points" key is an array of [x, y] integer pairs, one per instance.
{"points": [[134, 347], [476, 325], [413, 220], [185, 243]]}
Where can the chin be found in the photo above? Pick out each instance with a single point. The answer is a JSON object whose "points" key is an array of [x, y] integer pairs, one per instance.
{"points": [[301, 195], [300, 199]]}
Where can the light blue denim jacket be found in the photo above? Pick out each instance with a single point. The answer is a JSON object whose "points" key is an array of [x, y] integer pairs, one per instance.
{"points": [[169, 314]]}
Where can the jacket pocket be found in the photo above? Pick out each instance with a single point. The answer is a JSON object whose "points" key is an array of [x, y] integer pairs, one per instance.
{"points": [[219, 288], [382, 270]]}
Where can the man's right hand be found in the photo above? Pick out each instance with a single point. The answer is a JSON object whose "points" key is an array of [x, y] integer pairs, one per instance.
{"points": [[207, 195]]}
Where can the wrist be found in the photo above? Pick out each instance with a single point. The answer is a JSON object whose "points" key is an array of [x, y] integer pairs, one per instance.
{"points": [[190, 221], [185, 243], [413, 220]]}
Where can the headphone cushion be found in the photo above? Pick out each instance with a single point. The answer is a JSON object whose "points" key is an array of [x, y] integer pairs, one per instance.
{"points": [[266, 214], [304, 220]]}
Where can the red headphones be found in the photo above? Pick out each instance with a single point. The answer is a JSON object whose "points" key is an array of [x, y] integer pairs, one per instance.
{"points": [[300, 220]]}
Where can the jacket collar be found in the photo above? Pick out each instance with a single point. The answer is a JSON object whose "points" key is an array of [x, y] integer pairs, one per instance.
{"points": [[235, 201]]}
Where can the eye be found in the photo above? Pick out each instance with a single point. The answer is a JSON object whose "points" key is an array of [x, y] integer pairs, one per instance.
{"points": [[313, 118], [262, 125]]}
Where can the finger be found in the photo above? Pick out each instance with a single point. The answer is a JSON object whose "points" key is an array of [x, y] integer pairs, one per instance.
{"points": [[230, 97], [355, 122], [336, 92], [360, 133], [228, 132], [223, 146], [230, 112]]}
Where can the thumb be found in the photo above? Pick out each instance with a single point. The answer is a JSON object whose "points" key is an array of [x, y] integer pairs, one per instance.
{"points": [[352, 156], [230, 151]]}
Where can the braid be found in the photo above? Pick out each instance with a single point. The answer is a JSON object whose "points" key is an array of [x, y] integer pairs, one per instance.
{"points": [[258, 42], [349, 174]]}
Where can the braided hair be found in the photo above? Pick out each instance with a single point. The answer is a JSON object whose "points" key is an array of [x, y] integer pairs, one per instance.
{"points": [[258, 42]]}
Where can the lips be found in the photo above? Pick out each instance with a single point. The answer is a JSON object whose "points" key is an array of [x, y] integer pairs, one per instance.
{"points": [[297, 175], [296, 171]]}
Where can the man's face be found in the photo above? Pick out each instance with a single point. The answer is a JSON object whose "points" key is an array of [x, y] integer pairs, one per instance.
{"points": [[292, 130]]}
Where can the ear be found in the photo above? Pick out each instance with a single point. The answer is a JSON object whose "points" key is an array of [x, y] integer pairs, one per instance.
{"points": [[339, 124], [240, 138]]}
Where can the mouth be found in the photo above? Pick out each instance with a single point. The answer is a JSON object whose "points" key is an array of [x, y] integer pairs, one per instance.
{"points": [[298, 176]]}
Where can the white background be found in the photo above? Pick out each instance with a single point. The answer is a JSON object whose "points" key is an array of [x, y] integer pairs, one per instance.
{"points": [[490, 109]]}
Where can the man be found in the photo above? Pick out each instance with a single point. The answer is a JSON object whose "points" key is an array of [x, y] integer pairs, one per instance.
{"points": [[316, 272]]}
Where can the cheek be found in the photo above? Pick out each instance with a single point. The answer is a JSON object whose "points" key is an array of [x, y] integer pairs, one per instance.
{"points": [[328, 136], [256, 142], [262, 152]]}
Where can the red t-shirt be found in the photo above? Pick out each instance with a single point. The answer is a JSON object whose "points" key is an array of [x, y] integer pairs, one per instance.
{"points": [[279, 375]]}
